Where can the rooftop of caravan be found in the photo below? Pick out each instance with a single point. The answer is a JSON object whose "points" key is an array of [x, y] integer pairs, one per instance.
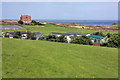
{"points": [[69, 33], [95, 36]]}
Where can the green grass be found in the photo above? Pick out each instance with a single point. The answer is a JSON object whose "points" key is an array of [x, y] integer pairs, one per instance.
{"points": [[53, 28], [44, 59]]}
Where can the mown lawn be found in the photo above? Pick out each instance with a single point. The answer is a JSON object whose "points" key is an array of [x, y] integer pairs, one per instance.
{"points": [[53, 28], [44, 59]]}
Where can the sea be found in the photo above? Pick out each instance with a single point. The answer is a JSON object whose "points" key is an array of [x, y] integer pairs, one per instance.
{"points": [[85, 22]]}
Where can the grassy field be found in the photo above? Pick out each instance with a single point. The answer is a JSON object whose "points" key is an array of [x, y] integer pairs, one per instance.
{"points": [[44, 59], [53, 28]]}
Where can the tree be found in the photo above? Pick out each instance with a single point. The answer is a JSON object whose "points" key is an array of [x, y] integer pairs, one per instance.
{"points": [[6, 35], [29, 35], [113, 41], [33, 36], [61, 38], [108, 35], [85, 40], [51, 38], [20, 22], [26, 23], [98, 33], [41, 38], [33, 21], [18, 34]]}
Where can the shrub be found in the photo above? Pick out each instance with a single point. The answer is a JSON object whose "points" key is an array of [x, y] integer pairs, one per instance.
{"points": [[114, 41], [33, 36], [41, 38], [32, 24], [61, 38], [18, 34], [20, 22], [82, 40], [36, 23], [26, 23], [98, 33], [33, 21], [109, 35], [6, 35], [29, 35], [51, 38]]}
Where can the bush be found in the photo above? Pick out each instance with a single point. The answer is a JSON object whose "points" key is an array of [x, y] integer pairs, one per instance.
{"points": [[98, 33], [54, 38], [36, 23], [18, 34], [33, 36], [41, 38], [82, 40], [32, 24], [27, 24], [61, 38], [33, 21], [29, 35], [114, 41], [6, 35], [51, 38], [108, 35], [20, 22]]}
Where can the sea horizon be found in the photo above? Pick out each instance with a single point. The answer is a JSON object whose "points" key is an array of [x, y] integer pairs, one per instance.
{"points": [[84, 22]]}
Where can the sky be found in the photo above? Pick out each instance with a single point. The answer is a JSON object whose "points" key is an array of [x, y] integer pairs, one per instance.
{"points": [[60, 0], [61, 10]]}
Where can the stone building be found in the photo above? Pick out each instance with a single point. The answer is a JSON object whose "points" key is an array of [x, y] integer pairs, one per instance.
{"points": [[25, 18]]}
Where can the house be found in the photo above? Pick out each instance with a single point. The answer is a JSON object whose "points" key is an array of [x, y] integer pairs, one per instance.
{"points": [[25, 18], [58, 34], [1, 21], [24, 35], [96, 39], [76, 34], [9, 34], [38, 35], [68, 35]]}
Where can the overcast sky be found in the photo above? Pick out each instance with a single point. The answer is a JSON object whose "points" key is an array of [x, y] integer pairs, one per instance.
{"points": [[61, 10]]}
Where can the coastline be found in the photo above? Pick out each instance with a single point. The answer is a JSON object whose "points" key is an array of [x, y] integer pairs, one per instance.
{"points": [[113, 27]]}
